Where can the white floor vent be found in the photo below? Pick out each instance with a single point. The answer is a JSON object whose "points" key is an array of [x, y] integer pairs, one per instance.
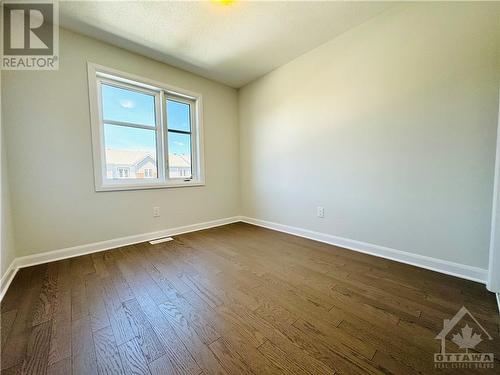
{"points": [[160, 240]]}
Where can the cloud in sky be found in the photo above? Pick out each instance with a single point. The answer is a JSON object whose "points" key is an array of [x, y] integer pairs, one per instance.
{"points": [[127, 103]]}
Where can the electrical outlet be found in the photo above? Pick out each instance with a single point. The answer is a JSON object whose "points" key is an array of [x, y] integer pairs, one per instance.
{"points": [[156, 211], [320, 212]]}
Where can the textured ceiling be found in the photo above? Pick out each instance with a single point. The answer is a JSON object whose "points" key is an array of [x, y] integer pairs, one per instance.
{"points": [[233, 44]]}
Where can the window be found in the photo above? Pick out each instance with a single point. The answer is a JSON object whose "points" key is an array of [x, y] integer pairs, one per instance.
{"points": [[123, 172], [179, 137], [145, 134]]}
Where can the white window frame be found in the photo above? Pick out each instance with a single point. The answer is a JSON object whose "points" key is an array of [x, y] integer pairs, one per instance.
{"points": [[97, 75]]}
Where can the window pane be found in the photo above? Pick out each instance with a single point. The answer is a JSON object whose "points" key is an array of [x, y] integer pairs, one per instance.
{"points": [[178, 116], [179, 155], [130, 152], [127, 106]]}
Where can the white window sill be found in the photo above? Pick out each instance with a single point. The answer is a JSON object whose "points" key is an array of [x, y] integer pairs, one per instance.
{"points": [[144, 186]]}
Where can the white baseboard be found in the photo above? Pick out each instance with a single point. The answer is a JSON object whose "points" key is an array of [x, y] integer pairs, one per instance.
{"points": [[444, 266], [70, 252], [434, 264], [7, 278]]}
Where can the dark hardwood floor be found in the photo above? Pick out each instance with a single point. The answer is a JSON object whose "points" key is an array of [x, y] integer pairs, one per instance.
{"points": [[237, 299]]}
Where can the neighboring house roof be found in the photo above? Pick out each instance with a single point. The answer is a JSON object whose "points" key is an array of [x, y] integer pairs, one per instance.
{"points": [[134, 157], [179, 161], [127, 157]]}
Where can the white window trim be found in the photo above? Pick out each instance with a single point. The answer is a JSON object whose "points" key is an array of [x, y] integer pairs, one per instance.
{"points": [[98, 72]]}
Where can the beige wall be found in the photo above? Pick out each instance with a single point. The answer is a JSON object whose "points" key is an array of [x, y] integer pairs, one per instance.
{"points": [[50, 156], [7, 250], [7, 253], [391, 127]]}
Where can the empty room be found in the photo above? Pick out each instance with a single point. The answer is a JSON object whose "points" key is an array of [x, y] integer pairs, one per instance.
{"points": [[250, 187]]}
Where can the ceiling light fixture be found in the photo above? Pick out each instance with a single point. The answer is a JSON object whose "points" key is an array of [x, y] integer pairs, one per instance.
{"points": [[223, 2]]}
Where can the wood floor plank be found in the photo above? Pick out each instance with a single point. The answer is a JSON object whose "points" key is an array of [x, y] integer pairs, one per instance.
{"points": [[62, 367], [120, 284], [15, 348], [174, 348], [133, 360], [147, 339], [116, 313], [107, 355], [270, 329], [47, 298], [164, 262], [228, 326], [79, 305], [236, 299], [389, 365], [20, 283], [163, 366], [357, 305], [37, 353], [241, 340], [7, 321], [60, 340], [276, 314], [281, 360], [98, 261], [14, 370], [83, 358], [198, 349], [60, 337], [95, 298], [204, 330], [231, 361], [336, 337], [343, 361], [301, 308]]}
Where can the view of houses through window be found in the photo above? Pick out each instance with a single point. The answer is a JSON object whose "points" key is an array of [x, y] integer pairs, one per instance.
{"points": [[123, 163], [130, 135]]}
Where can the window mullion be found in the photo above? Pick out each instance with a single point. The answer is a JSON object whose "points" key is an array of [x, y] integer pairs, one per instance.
{"points": [[164, 126], [179, 131], [128, 124], [194, 146], [162, 175]]}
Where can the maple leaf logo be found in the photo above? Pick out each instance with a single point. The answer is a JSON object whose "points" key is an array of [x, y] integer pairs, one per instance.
{"points": [[467, 340]]}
